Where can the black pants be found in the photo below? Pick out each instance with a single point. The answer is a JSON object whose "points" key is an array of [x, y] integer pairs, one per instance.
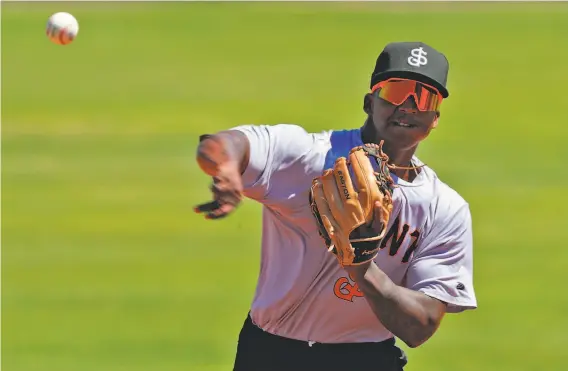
{"points": [[258, 350]]}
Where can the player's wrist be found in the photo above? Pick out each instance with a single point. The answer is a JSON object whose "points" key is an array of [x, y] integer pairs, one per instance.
{"points": [[358, 271], [229, 168], [372, 279]]}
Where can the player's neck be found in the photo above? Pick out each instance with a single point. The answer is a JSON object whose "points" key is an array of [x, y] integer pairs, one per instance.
{"points": [[397, 156]]}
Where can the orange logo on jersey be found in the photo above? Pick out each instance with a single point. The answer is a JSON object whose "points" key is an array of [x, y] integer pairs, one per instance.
{"points": [[343, 289]]}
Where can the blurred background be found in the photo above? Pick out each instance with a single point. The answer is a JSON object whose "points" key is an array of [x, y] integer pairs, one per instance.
{"points": [[106, 267]]}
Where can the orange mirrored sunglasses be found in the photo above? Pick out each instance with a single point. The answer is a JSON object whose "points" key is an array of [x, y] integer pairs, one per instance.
{"points": [[396, 91]]}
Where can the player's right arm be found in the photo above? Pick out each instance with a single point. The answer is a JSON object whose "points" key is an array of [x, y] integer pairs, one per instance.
{"points": [[229, 148], [252, 160], [224, 156]]}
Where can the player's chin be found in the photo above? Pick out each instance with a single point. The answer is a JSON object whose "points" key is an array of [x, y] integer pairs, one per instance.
{"points": [[403, 137]]}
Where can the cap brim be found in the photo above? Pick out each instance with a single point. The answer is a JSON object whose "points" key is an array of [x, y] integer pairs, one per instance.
{"points": [[411, 75]]}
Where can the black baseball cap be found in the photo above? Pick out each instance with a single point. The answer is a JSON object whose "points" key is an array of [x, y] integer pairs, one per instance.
{"points": [[412, 60]]}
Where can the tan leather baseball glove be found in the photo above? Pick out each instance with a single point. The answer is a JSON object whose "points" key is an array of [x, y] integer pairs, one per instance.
{"points": [[344, 202]]}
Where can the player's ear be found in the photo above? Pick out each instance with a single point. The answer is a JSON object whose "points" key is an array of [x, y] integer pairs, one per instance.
{"points": [[367, 104], [435, 124]]}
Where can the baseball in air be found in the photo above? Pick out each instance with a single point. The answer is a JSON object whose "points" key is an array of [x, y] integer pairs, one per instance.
{"points": [[62, 28]]}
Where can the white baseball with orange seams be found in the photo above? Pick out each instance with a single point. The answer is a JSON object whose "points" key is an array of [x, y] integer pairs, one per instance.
{"points": [[62, 28]]}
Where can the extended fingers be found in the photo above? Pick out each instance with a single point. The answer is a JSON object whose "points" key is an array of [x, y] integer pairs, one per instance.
{"points": [[207, 207], [214, 209], [220, 212], [225, 201]]}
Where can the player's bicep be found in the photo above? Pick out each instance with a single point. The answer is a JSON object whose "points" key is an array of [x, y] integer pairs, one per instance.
{"points": [[271, 149], [443, 269]]}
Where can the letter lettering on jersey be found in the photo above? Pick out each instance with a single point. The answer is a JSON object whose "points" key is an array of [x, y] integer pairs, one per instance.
{"points": [[343, 289], [415, 236], [394, 238]]}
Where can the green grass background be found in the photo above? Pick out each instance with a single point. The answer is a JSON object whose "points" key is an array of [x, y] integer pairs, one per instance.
{"points": [[104, 264]]}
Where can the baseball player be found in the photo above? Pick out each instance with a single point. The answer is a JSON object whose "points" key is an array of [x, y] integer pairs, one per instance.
{"points": [[309, 312]]}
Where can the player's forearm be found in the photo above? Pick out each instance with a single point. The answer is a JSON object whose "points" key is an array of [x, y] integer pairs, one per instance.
{"points": [[224, 149], [410, 315]]}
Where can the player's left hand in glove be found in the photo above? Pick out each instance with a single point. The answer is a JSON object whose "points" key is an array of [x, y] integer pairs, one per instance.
{"points": [[352, 204]]}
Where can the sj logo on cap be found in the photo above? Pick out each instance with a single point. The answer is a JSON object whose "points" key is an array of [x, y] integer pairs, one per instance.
{"points": [[417, 57]]}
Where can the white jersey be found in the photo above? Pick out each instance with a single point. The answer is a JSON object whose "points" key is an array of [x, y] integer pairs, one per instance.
{"points": [[302, 292]]}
